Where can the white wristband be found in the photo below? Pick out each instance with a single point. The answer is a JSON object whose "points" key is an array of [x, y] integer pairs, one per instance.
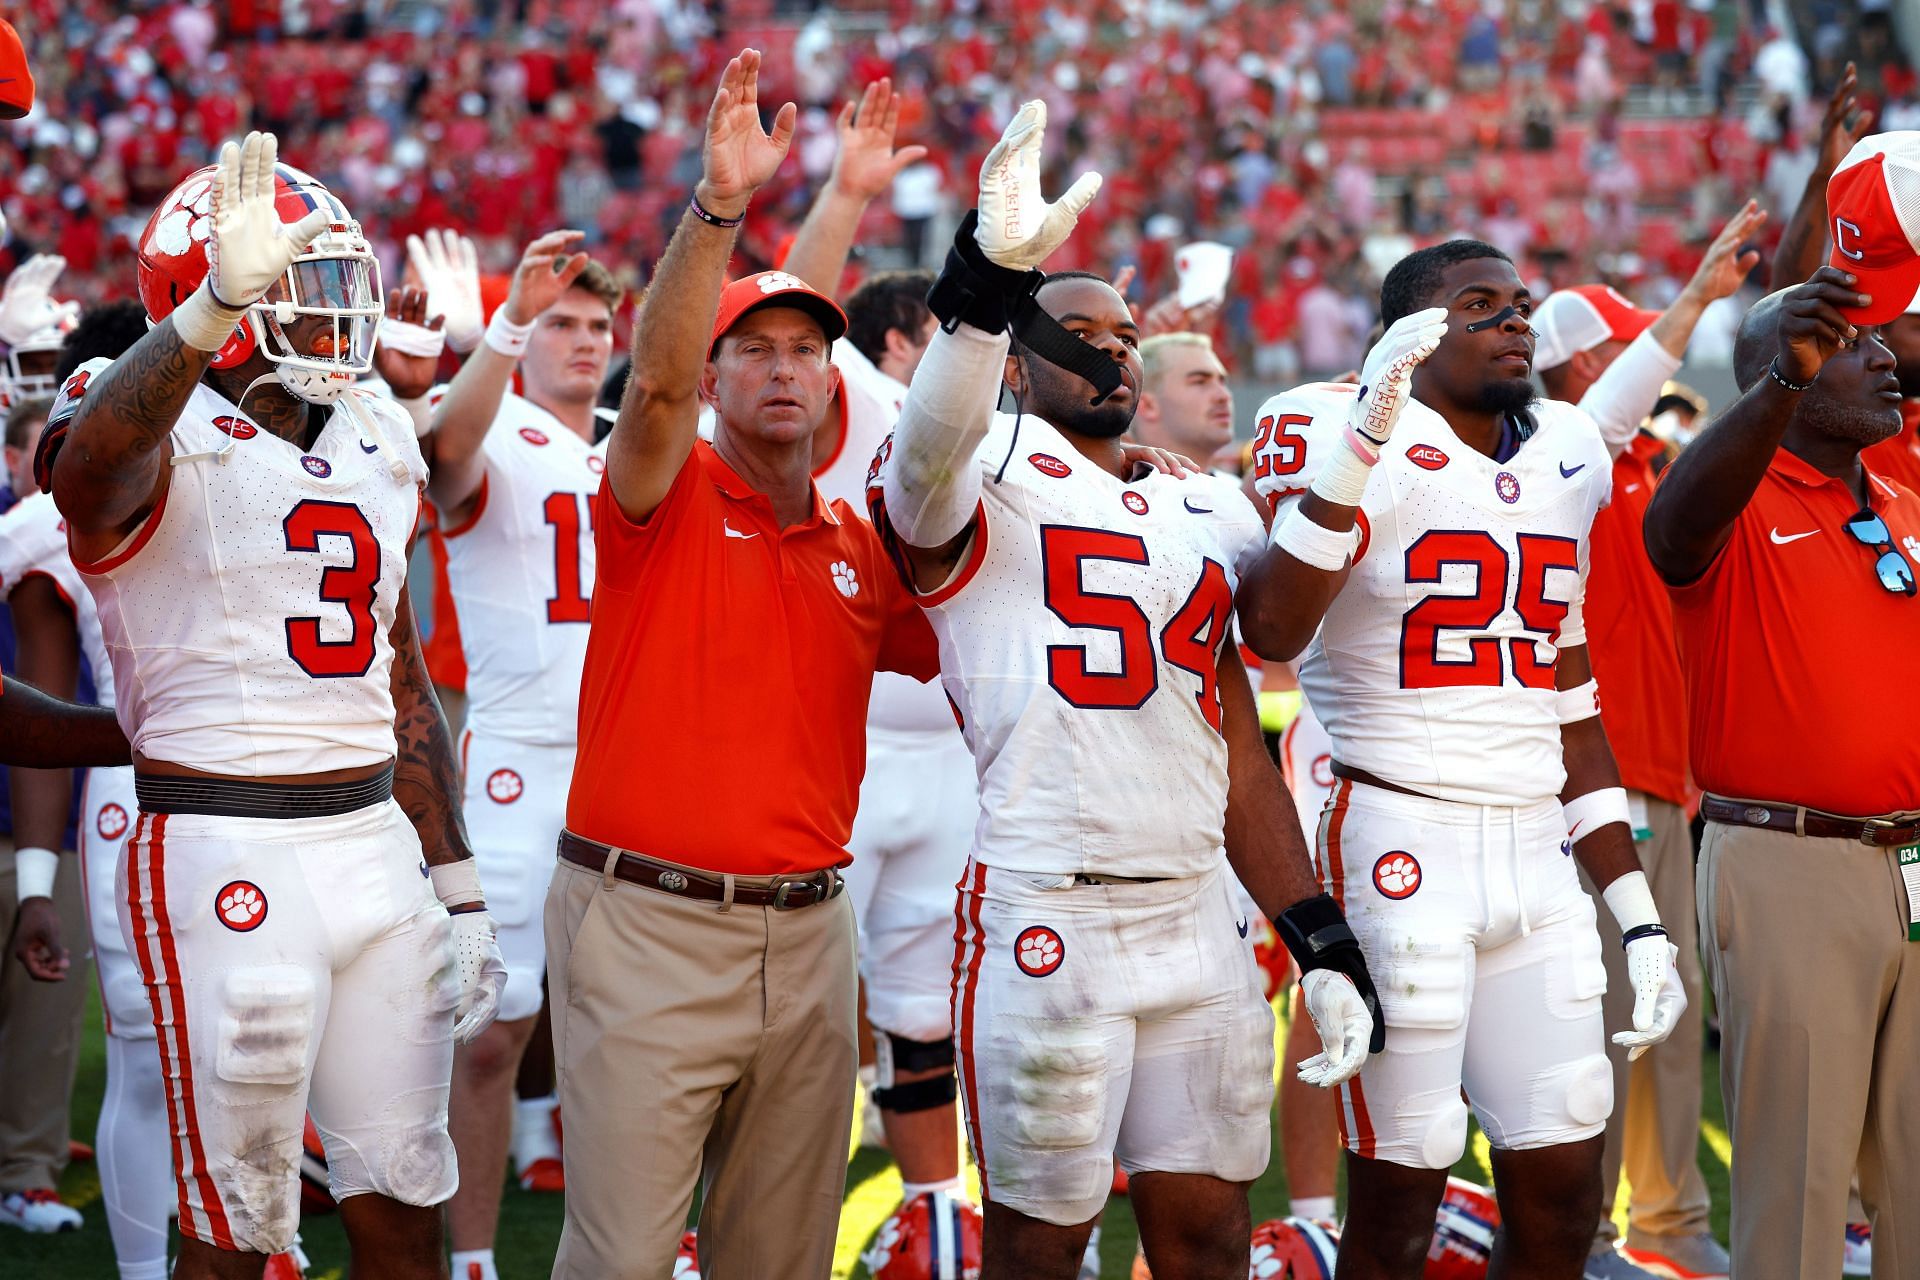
{"points": [[1582, 702], [420, 409], [1631, 901], [1588, 813], [204, 324], [1342, 479], [506, 337], [457, 883], [411, 339], [33, 872], [1314, 544]]}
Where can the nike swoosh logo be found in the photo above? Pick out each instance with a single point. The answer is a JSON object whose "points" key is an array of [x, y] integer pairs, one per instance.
{"points": [[735, 533], [1568, 475], [369, 448], [1199, 511], [1633, 488], [1782, 539], [1242, 927]]}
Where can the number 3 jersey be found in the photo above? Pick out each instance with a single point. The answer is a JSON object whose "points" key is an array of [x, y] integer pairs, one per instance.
{"points": [[521, 567], [1434, 667], [247, 619], [1079, 638]]}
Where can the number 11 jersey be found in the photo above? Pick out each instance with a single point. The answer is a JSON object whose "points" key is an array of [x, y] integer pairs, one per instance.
{"points": [[1079, 638]]}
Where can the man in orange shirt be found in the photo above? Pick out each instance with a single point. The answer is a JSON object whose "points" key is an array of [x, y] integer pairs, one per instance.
{"points": [[1791, 567], [700, 949], [1898, 459]]}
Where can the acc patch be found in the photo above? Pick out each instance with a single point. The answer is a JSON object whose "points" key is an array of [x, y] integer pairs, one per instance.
{"points": [[532, 436], [1048, 465], [504, 786], [1038, 951], [238, 428], [1396, 875], [1427, 457], [1507, 485], [110, 822], [241, 906], [318, 467], [1134, 502]]}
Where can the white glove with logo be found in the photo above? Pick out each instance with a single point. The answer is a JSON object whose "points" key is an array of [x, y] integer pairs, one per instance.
{"points": [[1345, 1027], [26, 306], [1386, 380], [1658, 998], [481, 972], [1018, 228], [449, 271]]}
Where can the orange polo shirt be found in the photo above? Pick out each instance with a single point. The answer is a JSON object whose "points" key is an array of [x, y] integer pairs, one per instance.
{"points": [[1798, 663], [723, 708], [1630, 637], [1898, 459]]}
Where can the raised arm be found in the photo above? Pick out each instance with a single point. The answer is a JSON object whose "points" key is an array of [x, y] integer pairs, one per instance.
{"points": [[661, 408], [1803, 243], [466, 411], [863, 169], [112, 468], [1709, 485]]}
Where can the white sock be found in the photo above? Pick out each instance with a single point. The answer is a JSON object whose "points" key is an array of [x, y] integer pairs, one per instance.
{"points": [[1319, 1207], [465, 1260], [1091, 1258], [955, 1186], [533, 1137], [133, 1151]]}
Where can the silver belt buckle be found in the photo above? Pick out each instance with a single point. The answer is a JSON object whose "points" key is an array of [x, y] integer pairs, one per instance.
{"points": [[1872, 825], [780, 902]]}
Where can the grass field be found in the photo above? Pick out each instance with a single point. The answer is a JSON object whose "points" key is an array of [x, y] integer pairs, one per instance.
{"points": [[530, 1224]]}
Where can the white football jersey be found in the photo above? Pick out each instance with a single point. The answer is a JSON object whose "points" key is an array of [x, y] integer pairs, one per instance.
{"points": [[247, 619], [33, 539], [521, 568], [1079, 639], [1434, 667]]}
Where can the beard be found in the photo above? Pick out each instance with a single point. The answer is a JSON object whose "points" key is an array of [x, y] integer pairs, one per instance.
{"points": [[1103, 421], [1829, 417], [1505, 395]]}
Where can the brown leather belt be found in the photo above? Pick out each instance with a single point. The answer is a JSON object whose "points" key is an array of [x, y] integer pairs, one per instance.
{"points": [[1879, 832], [787, 893]]}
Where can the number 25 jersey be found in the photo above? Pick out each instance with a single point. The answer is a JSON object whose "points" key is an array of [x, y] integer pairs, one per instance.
{"points": [[248, 617], [1434, 667], [1078, 642]]}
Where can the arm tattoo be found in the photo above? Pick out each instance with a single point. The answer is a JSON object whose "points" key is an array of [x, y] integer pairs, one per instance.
{"points": [[425, 781], [38, 731], [112, 457]]}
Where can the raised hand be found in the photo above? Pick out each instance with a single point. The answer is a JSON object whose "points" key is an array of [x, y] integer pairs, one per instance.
{"points": [[867, 163], [1720, 273], [1018, 227], [26, 305], [739, 156], [1386, 380], [1812, 330], [251, 247], [406, 358], [449, 271], [547, 270], [1845, 123]]}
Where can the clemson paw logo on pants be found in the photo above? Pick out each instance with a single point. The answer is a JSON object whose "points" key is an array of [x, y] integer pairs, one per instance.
{"points": [[1396, 875], [241, 906], [1038, 951]]}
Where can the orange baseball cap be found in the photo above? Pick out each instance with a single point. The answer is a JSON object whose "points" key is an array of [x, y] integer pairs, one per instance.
{"points": [[1569, 321], [16, 78], [1873, 215], [776, 289]]}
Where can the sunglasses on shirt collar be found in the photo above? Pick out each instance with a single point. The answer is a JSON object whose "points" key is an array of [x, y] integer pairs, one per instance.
{"points": [[1894, 570]]}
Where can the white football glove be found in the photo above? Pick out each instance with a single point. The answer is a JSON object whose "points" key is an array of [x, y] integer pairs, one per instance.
{"points": [[1345, 1027], [1658, 998], [26, 305], [251, 247], [481, 972], [1018, 228], [449, 271], [1386, 380]]}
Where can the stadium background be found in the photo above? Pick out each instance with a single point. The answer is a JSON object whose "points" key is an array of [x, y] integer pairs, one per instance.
{"points": [[1592, 139]]}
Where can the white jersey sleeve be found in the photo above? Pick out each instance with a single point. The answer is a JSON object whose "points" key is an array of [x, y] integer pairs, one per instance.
{"points": [[33, 541], [1293, 435], [1621, 398]]}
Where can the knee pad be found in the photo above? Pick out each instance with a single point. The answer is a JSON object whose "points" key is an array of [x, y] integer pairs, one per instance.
{"points": [[266, 1026], [413, 1164], [1439, 1133], [918, 1095], [894, 1054], [1588, 1091]]}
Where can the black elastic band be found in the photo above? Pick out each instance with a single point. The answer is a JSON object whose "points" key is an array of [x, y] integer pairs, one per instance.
{"points": [[247, 798], [1640, 931], [1773, 371], [710, 218]]}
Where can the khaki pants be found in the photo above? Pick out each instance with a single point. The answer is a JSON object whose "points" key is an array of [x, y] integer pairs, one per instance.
{"points": [[39, 1036], [696, 1044], [1819, 994], [1655, 1127]]}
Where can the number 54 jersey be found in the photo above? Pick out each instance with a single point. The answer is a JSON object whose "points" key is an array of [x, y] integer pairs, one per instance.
{"points": [[248, 617], [1434, 667], [1079, 638]]}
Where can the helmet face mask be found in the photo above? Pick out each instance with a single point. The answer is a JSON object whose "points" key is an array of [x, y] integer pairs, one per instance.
{"points": [[28, 374]]}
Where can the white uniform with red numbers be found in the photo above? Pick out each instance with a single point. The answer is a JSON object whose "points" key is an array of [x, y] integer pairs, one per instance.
{"points": [[917, 800], [33, 541], [1105, 996], [1434, 671], [521, 567], [296, 964]]}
